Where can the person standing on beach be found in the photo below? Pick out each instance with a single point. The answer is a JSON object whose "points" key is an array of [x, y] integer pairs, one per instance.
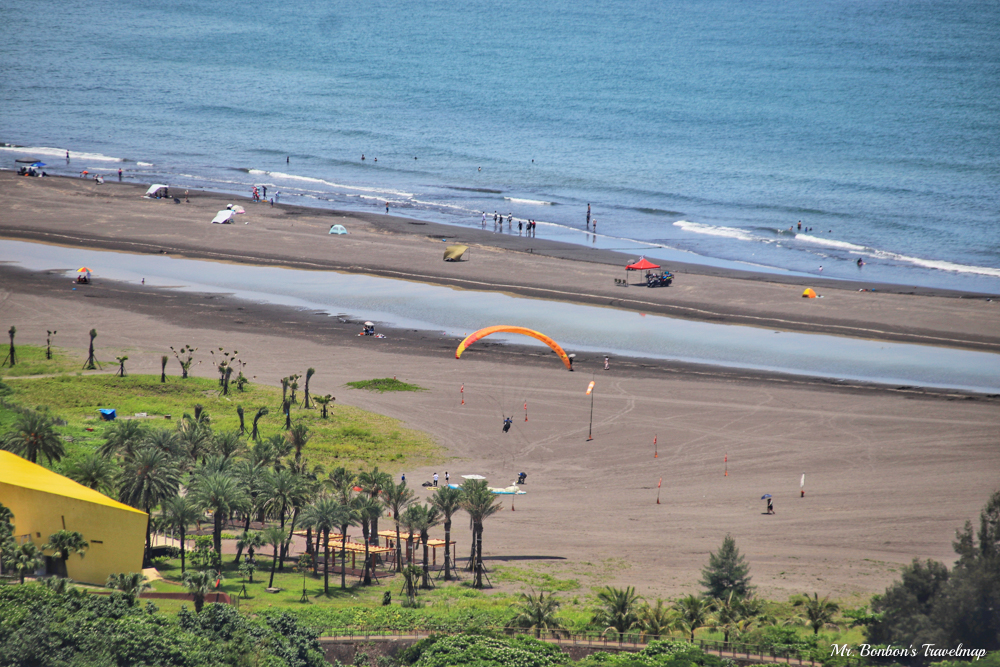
{"points": [[277, 197], [588, 216], [435, 479], [519, 226], [119, 174], [67, 157], [607, 363], [484, 220], [387, 208], [447, 478], [264, 187]]}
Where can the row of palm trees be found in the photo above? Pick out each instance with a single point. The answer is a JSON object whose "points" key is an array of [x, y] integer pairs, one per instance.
{"points": [[621, 611], [181, 475]]}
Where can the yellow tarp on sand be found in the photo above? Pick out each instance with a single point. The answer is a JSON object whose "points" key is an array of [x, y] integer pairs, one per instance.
{"points": [[453, 253]]}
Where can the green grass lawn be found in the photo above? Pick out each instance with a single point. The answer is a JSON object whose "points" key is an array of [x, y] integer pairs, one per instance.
{"points": [[350, 436], [382, 385], [31, 361]]}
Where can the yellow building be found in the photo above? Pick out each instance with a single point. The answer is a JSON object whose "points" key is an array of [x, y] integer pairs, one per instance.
{"points": [[44, 502]]}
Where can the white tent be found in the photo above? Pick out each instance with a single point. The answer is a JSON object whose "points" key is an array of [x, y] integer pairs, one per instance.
{"points": [[154, 188], [338, 229], [223, 217]]}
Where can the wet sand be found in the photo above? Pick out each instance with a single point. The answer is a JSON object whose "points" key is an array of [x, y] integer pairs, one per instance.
{"points": [[890, 473]]}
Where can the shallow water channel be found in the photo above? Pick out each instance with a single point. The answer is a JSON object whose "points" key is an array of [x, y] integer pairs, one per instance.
{"points": [[413, 305]]}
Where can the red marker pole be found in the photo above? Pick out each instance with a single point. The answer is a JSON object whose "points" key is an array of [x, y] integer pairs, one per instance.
{"points": [[726, 461], [525, 411], [462, 392], [658, 485], [655, 452]]}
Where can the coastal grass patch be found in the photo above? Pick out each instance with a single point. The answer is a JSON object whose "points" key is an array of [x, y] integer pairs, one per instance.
{"points": [[350, 436], [382, 385], [31, 361]]}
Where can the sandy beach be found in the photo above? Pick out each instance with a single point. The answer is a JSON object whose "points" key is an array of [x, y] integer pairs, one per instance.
{"points": [[890, 474]]}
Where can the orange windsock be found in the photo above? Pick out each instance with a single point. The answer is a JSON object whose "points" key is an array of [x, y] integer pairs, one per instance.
{"points": [[590, 387]]}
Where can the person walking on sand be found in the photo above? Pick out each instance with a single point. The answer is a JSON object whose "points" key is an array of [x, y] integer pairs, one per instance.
{"points": [[520, 225], [770, 506], [607, 363], [435, 479], [447, 478]]}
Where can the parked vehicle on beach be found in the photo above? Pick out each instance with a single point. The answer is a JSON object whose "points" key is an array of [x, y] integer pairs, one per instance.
{"points": [[662, 279]]}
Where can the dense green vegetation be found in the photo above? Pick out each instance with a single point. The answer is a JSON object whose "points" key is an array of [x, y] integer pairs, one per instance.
{"points": [[383, 385]]}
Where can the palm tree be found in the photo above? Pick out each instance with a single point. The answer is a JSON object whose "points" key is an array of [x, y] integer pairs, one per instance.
{"points": [[179, 513], [731, 612], [396, 497], [326, 515], [195, 435], [536, 612], [298, 437], [481, 504], [373, 482], [147, 480], [448, 501], [251, 540], [166, 441], [227, 444], [309, 374], [369, 510], [617, 610], [655, 621], [24, 559], [93, 471], [33, 435], [349, 517], [222, 494], [430, 516], [122, 438], [693, 612], [341, 481], [817, 613], [65, 543], [200, 584], [132, 584], [283, 490], [252, 474], [275, 537]]}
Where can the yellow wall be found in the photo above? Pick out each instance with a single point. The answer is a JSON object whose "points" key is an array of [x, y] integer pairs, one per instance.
{"points": [[117, 536]]}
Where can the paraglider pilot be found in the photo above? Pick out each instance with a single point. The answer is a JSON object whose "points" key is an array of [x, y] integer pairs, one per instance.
{"points": [[507, 421], [521, 476]]}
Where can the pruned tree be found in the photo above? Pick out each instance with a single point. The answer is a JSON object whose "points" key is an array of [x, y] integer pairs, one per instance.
{"points": [[293, 385], [91, 363], [323, 402], [239, 413], [185, 357], [163, 368], [255, 433], [286, 408], [284, 389], [305, 392], [121, 366], [48, 343], [12, 355]]}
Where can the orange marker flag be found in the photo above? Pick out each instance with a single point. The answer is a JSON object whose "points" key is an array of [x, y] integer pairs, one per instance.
{"points": [[658, 485], [726, 461]]}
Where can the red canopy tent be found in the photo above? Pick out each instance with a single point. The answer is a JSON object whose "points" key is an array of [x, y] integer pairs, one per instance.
{"points": [[642, 265]]}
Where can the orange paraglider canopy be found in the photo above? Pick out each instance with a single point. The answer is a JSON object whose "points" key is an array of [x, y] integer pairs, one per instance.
{"points": [[810, 293], [482, 333]]}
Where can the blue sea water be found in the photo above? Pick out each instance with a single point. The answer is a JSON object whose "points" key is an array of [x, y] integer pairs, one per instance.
{"points": [[710, 127]]}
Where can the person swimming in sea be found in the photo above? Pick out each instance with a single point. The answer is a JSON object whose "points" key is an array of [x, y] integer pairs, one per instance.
{"points": [[861, 262]]}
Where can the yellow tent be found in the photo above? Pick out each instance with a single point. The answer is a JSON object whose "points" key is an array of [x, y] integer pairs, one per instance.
{"points": [[810, 293], [453, 253], [44, 502]]}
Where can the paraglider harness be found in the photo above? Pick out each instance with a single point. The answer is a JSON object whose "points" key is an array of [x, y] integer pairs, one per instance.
{"points": [[521, 476], [507, 421]]}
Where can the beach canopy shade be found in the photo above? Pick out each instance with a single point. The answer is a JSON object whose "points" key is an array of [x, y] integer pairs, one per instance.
{"points": [[453, 253], [223, 217], [27, 160], [810, 293], [642, 265], [154, 188], [338, 229], [765, 496], [238, 209]]}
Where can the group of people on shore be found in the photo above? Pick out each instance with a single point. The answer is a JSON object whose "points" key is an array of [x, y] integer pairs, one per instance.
{"points": [[525, 227]]}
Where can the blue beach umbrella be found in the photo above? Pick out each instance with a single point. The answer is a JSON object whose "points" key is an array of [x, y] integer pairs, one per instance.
{"points": [[765, 496], [38, 164]]}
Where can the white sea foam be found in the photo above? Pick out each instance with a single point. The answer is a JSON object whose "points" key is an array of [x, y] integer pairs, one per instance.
{"points": [[145, 164], [940, 264], [309, 179], [713, 230], [60, 152], [535, 202], [831, 243]]}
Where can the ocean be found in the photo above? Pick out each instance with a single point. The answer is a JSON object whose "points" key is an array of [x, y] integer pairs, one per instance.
{"points": [[703, 131]]}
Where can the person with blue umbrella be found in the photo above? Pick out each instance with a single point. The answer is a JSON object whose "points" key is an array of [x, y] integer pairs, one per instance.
{"points": [[770, 505]]}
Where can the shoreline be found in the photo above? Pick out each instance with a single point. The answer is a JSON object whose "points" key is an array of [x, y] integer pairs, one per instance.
{"points": [[115, 217]]}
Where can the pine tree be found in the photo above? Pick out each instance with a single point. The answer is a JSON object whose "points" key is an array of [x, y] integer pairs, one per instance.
{"points": [[727, 572]]}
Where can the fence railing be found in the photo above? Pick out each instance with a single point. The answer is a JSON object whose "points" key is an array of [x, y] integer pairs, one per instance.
{"points": [[629, 642]]}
